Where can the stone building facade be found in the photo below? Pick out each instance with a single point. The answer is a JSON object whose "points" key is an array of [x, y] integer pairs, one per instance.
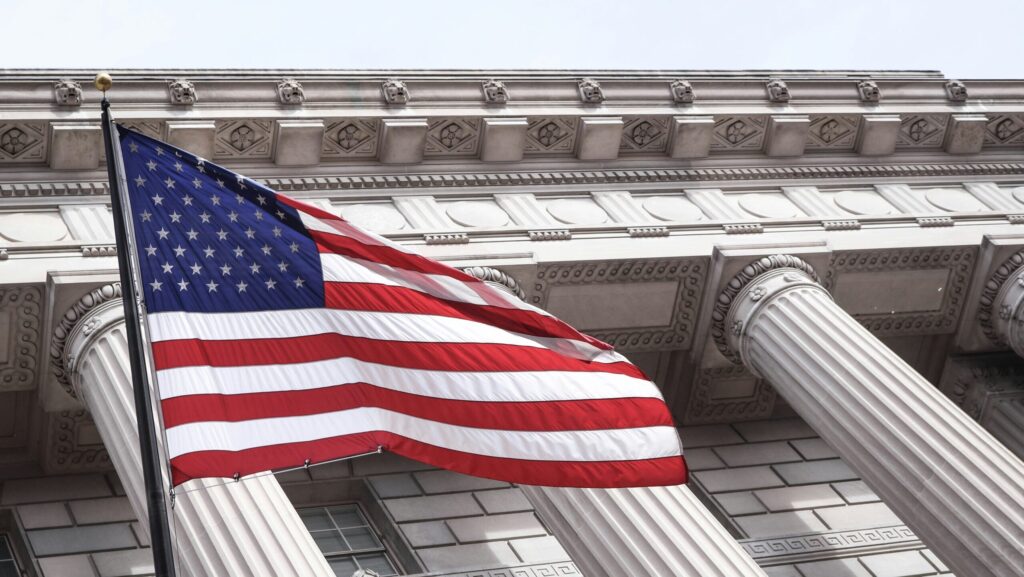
{"points": [[824, 271]]}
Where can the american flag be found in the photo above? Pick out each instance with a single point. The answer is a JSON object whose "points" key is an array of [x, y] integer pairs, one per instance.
{"points": [[282, 335]]}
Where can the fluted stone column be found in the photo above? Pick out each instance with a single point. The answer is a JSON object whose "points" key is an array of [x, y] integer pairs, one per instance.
{"points": [[239, 529], [958, 488], [649, 531]]}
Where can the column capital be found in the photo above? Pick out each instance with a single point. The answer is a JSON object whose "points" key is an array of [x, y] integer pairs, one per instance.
{"points": [[748, 292], [80, 325], [497, 279], [1001, 310]]}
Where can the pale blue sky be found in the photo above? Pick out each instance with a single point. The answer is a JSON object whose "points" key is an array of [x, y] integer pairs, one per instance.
{"points": [[964, 39]]}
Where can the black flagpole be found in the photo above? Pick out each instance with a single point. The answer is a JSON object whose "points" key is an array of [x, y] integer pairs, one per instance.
{"points": [[159, 529]]}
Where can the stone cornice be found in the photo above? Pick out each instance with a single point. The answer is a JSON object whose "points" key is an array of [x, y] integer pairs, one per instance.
{"points": [[57, 189]]}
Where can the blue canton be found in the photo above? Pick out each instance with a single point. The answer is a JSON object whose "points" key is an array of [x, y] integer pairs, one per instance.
{"points": [[210, 240]]}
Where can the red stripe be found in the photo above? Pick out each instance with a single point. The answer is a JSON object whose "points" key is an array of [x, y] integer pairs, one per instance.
{"points": [[456, 357], [599, 474], [385, 298], [347, 246], [588, 414]]}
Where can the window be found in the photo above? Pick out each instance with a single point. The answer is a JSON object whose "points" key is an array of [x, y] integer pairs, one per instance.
{"points": [[8, 567], [346, 538]]}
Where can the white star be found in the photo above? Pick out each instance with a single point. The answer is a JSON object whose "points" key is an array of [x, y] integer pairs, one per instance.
{"points": [[159, 151], [266, 249], [192, 234], [179, 251], [177, 166], [182, 285], [294, 246], [146, 215], [133, 147], [215, 199], [169, 183], [196, 269], [239, 199], [277, 231], [151, 165], [205, 217], [175, 217], [158, 200], [222, 234], [233, 216], [271, 283], [211, 286], [241, 286], [225, 270], [163, 232], [168, 267], [299, 283], [196, 182], [280, 214], [258, 214], [220, 183], [282, 266], [157, 285], [150, 250], [261, 199], [201, 165], [255, 268], [208, 251], [139, 181], [241, 182], [250, 233], [238, 252], [187, 200]]}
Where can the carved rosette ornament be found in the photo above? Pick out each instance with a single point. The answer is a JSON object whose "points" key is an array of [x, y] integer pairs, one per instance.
{"points": [[497, 279], [182, 92], [495, 92], [590, 91], [777, 90], [81, 324], [1001, 310], [289, 91], [956, 91], [742, 297], [682, 92], [67, 92], [395, 91], [869, 91]]}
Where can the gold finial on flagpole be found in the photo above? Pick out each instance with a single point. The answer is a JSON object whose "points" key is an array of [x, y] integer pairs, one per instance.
{"points": [[103, 82]]}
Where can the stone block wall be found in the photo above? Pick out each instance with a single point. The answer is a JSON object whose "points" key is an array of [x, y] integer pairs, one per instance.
{"points": [[796, 506], [77, 526], [446, 522]]}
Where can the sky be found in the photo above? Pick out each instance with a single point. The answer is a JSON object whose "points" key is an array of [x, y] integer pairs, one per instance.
{"points": [[964, 39]]}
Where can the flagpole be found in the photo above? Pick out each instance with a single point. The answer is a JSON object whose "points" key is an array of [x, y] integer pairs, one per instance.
{"points": [[159, 528]]}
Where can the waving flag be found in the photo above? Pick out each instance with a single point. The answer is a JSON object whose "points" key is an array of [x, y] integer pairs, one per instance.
{"points": [[282, 335]]}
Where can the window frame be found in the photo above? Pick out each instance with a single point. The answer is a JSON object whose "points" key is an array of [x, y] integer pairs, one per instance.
{"points": [[369, 523]]}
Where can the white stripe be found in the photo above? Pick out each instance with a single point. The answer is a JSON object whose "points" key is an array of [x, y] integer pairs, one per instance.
{"points": [[525, 386], [600, 445], [467, 291], [386, 326], [339, 268], [344, 228]]}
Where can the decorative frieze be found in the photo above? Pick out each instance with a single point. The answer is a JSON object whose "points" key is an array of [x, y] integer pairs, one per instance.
{"points": [[73, 444], [647, 134], [453, 137], [350, 138], [833, 132], [19, 337], [23, 142], [243, 139], [948, 269], [748, 398], [555, 135], [739, 133], [922, 130], [675, 325], [827, 545]]}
